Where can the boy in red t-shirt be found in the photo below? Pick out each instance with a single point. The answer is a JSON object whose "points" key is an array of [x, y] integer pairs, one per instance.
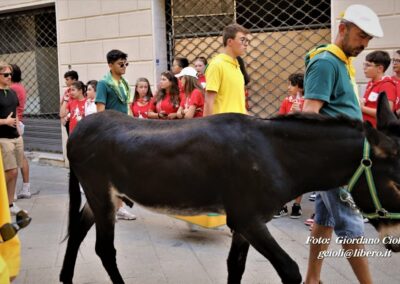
{"points": [[76, 106], [294, 101], [376, 63]]}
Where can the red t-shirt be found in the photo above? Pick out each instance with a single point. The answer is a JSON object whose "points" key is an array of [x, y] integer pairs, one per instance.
{"points": [[196, 99], [201, 79], [397, 81], [166, 105], [141, 111], [19, 89], [287, 104], [372, 92], [76, 108]]}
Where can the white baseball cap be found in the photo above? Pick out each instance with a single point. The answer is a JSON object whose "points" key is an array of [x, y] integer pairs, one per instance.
{"points": [[364, 18], [187, 71]]}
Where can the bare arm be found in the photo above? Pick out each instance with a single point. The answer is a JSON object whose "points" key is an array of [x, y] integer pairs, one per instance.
{"points": [[63, 109], [209, 103], [372, 111], [10, 121], [189, 113], [100, 107], [311, 105]]}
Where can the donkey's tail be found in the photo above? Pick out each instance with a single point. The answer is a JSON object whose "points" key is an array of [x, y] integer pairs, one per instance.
{"points": [[75, 200]]}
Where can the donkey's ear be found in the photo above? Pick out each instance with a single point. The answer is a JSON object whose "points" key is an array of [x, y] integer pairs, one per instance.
{"points": [[384, 115], [382, 145]]}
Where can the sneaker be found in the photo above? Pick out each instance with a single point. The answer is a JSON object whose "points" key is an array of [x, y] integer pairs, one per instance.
{"points": [[124, 214], [282, 212], [310, 220], [25, 191], [312, 196], [14, 209], [296, 211]]}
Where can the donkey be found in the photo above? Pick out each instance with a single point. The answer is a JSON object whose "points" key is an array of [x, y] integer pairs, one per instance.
{"points": [[230, 163]]}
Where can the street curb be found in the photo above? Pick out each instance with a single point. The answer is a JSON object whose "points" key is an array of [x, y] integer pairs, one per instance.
{"points": [[46, 159]]}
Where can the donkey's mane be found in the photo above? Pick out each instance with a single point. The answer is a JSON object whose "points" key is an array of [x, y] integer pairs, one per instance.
{"points": [[315, 118]]}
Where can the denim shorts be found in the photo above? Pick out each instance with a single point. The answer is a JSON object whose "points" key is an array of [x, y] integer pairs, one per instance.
{"points": [[330, 211]]}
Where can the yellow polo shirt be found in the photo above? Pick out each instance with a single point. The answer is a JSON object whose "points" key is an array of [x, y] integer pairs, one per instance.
{"points": [[10, 250], [223, 76]]}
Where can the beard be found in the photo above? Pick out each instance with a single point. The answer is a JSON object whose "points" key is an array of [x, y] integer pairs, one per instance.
{"points": [[351, 51]]}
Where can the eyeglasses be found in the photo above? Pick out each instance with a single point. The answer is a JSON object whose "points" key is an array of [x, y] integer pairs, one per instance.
{"points": [[396, 60], [6, 74], [122, 65], [367, 65], [8, 231], [244, 40]]}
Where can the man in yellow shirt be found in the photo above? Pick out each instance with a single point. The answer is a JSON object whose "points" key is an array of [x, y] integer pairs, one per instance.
{"points": [[225, 82]]}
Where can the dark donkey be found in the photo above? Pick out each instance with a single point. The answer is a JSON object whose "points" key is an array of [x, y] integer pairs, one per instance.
{"points": [[230, 163]]}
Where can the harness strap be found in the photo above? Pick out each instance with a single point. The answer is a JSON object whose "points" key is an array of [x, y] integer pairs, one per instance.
{"points": [[365, 167]]}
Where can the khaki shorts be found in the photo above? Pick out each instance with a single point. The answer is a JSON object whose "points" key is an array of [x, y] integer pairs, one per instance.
{"points": [[12, 150]]}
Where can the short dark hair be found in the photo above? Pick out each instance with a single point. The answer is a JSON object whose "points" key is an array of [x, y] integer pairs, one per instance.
{"points": [[297, 80], [379, 57], [114, 55], [230, 32], [398, 51], [72, 74], [182, 62], [16, 73]]}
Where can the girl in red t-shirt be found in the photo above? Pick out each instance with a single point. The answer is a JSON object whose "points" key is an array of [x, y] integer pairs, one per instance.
{"points": [[76, 106], [167, 99], [200, 64], [192, 103], [141, 101]]}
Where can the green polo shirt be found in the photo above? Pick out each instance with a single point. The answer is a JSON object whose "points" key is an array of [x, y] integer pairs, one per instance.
{"points": [[107, 96], [327, 80]]}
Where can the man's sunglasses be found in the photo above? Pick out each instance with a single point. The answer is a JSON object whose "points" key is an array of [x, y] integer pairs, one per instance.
{"points": [[8, 231], [6, 74], [122, 65], [396, 60]]}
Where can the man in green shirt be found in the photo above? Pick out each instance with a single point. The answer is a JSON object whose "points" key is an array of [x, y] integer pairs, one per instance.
{"points": [[330, 89], [113, 92]]}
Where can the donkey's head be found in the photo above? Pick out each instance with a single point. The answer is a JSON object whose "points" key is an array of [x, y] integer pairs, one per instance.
{"points": [[385, 156]]}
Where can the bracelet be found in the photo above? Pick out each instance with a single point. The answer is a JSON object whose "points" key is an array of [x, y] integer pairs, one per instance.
{"points": [[66, 101]]}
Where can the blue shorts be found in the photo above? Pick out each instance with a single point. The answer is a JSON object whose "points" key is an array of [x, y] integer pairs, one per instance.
{"points": [[330, 211]]}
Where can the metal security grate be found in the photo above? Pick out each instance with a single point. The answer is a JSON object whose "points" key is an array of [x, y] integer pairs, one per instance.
{"points": [[281, 34], [29, 39]]}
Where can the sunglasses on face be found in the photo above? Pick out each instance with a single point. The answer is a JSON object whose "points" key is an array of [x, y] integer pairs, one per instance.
{"points": [[122, 65], [8, 231], [6, 74], [396, 61]]}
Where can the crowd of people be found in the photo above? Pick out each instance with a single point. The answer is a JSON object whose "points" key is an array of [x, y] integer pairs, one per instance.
{"points": [[220, 86]]}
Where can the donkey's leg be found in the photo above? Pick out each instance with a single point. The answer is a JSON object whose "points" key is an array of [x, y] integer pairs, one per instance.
{"points": [[105, 226], [237, 258], [258, 235], [75, 239]]}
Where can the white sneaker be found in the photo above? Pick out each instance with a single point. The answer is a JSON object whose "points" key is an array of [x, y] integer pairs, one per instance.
{"points": [[124, 214], [14, 209], [25, 192]]}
